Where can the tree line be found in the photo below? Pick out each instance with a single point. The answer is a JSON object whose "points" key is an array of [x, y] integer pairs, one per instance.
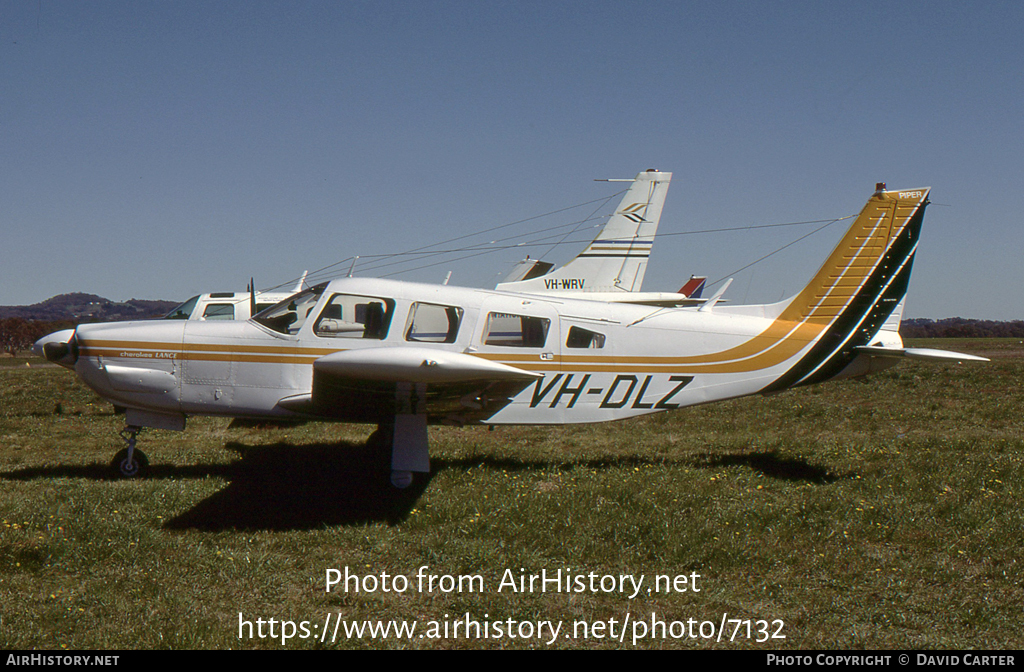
{"points": [[959, 327], [18, 334]]}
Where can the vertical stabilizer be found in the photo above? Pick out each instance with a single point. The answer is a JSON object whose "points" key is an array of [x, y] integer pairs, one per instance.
{"points": [[617, 259], [860, 288], [694, 287]]}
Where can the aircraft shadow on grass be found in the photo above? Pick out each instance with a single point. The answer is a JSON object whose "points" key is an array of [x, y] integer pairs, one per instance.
{"points": [[770, 463], [288, 487]]}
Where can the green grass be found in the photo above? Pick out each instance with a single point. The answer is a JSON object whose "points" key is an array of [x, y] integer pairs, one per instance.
{"points": [[878, 514]]}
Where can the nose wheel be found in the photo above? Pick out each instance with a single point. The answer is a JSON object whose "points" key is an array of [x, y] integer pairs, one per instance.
{"points": [[129, 462]]}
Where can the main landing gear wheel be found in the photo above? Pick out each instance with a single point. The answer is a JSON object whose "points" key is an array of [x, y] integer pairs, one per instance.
{"points": [[401, 479]]}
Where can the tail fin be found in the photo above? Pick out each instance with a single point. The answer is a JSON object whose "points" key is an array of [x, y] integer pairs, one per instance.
{"points": [[860, 288], [300, 283], [617, 259], [694, 287]]}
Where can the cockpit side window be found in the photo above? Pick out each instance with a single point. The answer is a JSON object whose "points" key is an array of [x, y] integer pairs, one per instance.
{"points": [[351, 316], [516, 331], [219, 311], [288, 316], [432, 323]]}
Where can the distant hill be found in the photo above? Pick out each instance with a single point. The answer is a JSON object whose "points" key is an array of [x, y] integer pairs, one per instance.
{"points": [[80, 307]]}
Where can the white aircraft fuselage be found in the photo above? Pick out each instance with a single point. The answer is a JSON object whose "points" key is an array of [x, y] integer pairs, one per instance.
{"points": [[245, 368]]}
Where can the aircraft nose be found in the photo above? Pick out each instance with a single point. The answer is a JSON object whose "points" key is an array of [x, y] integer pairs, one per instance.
{"points": [[60, 347]]}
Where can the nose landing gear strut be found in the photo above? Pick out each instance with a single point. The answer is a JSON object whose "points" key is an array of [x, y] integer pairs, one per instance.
{"points": [[129, 462]]}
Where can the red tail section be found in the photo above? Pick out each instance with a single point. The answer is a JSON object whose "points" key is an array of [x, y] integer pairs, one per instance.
{"points": [[693, 287]]}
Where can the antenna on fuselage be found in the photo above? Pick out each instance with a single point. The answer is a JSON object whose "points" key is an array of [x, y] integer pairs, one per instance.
{"points": [[710, 303], [252, 297]]}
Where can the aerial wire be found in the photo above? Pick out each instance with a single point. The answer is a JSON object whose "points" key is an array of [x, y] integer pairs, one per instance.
{"points": [[384, 261], [790, 244]]}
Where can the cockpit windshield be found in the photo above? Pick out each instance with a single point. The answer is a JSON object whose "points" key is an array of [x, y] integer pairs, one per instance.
{"points": [[288, 316], [183, 311]]}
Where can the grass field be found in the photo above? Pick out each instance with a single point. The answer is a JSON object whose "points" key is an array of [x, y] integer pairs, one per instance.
{"points": [[876, 514]]}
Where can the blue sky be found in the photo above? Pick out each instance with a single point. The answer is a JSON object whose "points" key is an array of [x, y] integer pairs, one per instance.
{"points": [[162, 149]]}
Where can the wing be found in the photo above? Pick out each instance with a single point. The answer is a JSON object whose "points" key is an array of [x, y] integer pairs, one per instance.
{"points": [[376, 384]]}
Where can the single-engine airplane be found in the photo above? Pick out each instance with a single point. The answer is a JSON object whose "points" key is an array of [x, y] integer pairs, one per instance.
{"points": [[406, 355]]}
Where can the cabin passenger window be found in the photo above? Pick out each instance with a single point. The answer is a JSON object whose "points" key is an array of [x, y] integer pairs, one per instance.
{"points": [[584, 338], [431, 323], [350, 316], [219, 311], [517, 331]]}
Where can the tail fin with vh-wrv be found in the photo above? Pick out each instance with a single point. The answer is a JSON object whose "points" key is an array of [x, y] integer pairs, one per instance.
{"points": [[617, 259]]}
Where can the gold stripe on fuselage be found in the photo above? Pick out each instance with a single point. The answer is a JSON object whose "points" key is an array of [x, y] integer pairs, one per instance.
{"points": [[207, 352]]}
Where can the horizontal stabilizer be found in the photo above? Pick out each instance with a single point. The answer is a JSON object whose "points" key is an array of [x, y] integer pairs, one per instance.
{"points": [[927, 354], [528, 269], [662, 299]]}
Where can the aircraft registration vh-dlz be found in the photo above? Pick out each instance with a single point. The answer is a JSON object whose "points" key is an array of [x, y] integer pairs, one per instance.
{"points": [[405, 355]]}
